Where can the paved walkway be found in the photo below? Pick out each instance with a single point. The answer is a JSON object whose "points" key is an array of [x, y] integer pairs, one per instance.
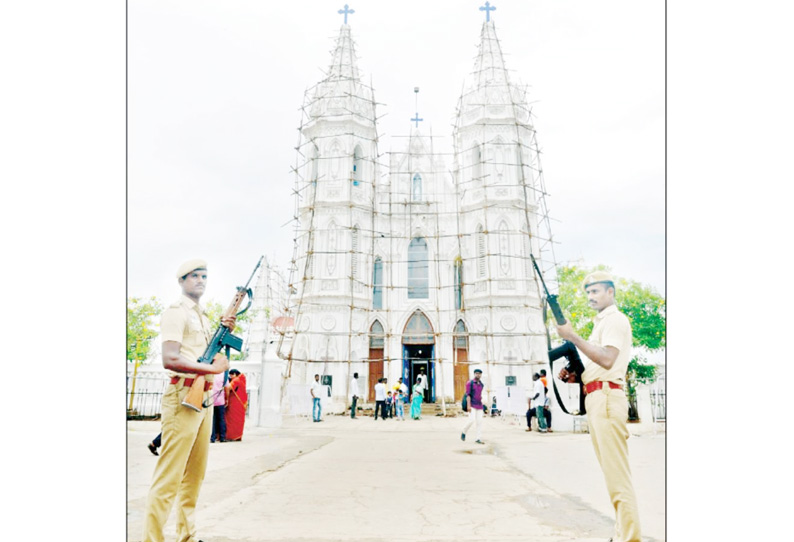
{"points": [[365, 481]]}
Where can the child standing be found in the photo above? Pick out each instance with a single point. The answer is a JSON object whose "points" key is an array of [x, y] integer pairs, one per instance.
{"points": [[400, 403], [389, 401]]}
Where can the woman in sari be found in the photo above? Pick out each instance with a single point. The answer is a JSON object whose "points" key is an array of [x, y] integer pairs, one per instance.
{"points": [[416, 401], [236, 405]]}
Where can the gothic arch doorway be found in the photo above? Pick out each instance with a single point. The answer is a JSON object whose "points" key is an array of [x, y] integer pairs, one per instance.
{"points": [[419, 353], [460, 345]]}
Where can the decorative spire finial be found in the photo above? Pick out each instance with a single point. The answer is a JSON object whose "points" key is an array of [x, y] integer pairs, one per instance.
{"points": [[487, 9], [416, 118], [346, 11]]}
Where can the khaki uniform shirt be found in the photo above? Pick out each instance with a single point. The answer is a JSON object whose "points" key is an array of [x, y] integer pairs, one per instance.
{"points": [[611, 328], [186, 323]]}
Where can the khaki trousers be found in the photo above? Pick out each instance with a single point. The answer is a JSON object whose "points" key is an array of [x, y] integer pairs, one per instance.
{"points": [[180, 467], [607, 412]]}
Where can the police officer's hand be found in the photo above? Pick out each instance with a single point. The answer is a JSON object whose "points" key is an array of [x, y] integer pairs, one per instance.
{"points": [[566, 331], [220, 363], [229, 322], [565, 376]]}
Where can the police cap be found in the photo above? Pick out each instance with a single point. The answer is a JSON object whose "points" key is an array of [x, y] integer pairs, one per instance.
{"points": [[597, 277], [190, 265]]}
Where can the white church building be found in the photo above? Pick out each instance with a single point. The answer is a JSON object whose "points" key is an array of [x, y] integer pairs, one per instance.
{"points": [[408, 259]]}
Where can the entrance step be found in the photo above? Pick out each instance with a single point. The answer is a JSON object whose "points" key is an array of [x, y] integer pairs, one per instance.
{"points": [[428, 409]]}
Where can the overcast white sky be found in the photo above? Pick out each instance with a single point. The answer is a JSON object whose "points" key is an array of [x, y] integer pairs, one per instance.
{"points": [[215, 90]]}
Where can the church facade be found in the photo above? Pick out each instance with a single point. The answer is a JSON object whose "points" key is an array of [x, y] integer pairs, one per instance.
{"points": [[410, 260]]}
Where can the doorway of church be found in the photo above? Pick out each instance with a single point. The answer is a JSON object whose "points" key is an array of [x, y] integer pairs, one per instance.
{"points": [[418, 359]]}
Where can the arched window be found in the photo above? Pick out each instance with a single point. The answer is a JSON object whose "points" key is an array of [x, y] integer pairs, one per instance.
{"points": [[377, 284], [418, 272], [499, 155], [458, 269], [357, 166], [480, 238], [461, 336], [416, 188], [376, 335], [476, 163], [418, 330], [335, 155]]}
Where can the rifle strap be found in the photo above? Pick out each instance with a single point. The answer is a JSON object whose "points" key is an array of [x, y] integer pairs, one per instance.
{"points": [[582, 410], [245, 405]]}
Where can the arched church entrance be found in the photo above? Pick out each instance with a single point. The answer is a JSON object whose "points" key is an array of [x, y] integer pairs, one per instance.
{"points": [[376, 340], [418, 354], [460, 343]]}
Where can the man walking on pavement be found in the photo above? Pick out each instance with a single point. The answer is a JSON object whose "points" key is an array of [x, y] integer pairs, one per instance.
{"points": [[317, 407], [353, 395], [474, 389], [606, 358]]}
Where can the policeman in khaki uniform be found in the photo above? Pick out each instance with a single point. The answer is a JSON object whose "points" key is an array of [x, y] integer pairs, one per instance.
{"points": [[608, 352], [185, 331]]}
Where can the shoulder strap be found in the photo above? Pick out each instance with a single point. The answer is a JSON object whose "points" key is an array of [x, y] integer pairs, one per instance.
{"points": [[582, 409]]}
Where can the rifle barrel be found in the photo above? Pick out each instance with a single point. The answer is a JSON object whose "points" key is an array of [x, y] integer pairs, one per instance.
{"points": [[543, 282]]}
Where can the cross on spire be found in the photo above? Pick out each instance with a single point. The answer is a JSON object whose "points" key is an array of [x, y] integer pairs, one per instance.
{"points": [[487, 9], [416, 119], [346, 11]]}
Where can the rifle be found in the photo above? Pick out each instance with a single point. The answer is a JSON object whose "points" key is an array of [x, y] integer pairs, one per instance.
{"points": [[223, 338], [566, 350]]}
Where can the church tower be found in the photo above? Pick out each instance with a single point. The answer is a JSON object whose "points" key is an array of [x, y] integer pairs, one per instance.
{"points": [[337, 173], [499, 185]]}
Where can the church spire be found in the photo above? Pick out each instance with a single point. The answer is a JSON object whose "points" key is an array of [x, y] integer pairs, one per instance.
{"points": [[342, 92], [489, 82], [344, 64]]}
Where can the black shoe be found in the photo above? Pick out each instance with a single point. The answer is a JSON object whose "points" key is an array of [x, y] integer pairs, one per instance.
{"points": [[153, 449], [478, 441], [463, 436]]}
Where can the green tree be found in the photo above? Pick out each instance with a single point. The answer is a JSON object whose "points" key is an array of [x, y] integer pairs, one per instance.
{"points": [[644, 307], [141, 329]]}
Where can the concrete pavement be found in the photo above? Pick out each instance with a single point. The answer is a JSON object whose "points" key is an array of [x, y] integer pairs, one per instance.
{"points": [[365, 480]]}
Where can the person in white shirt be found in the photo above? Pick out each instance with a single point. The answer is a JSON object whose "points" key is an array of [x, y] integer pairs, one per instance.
{"points": [[353, 395], [317, 407], [380, 398], [539, 401]]}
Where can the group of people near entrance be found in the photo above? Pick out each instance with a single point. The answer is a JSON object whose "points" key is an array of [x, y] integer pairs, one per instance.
{"points": [[187, 433], [391, 403]]}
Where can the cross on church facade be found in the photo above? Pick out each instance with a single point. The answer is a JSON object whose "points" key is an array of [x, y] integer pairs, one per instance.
{"points": [[417, 120], [487, 9], [346, 11]]}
